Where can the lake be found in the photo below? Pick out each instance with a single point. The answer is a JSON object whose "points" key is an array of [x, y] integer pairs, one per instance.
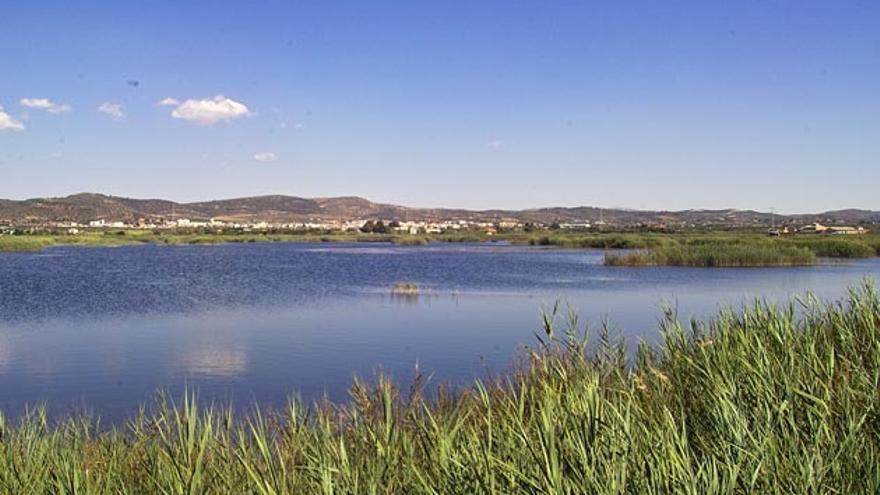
{"points": [[101, 329]]}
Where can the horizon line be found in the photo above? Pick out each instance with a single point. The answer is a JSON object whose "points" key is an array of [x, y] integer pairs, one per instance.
{"points": [[395, 204]]}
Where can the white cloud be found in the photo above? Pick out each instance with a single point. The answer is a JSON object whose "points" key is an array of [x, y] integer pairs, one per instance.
{"points": [[495, 145], [115, 110], [7, 122], [207, 111], [44, 104], [266, 156]]}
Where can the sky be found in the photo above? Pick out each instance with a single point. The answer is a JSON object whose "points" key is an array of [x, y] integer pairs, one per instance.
{"points": [[473, 104]]}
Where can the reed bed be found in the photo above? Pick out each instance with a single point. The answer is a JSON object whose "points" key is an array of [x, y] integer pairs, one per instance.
{"points": [[409, 241], [602, 241], [874, 242], [23, 243], [835, 247], [724, 255], [17, 243], [764, 400], [688, 247]]}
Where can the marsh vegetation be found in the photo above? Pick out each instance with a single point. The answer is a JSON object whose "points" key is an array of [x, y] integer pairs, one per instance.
{"points": [[719, 255], [721, 250], [712, 249]]}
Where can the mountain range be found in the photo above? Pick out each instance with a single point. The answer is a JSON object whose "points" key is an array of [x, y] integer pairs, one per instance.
{"points": [[277, 208]]}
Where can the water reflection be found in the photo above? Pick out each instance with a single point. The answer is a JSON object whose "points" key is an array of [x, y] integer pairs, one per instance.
{"points": [[215, 361], [5, 353]]}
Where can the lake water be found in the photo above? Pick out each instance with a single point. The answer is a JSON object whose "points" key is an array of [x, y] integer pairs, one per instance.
{"points": [[102, 329]]}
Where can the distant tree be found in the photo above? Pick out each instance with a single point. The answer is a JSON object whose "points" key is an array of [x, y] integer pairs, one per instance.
{"points": [[368, 227], [380, 228]]}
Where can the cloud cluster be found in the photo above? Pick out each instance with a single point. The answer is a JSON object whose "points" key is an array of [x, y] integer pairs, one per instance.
{"points": [[266, 156], [207, 111], [44, 104], [9, 123], [115, 110]]}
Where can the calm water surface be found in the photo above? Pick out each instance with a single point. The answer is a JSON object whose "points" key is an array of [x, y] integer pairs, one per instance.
{"points": [[102, 329]]}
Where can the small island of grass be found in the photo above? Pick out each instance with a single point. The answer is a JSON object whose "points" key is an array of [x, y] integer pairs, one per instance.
{"points": [[405, 289]]}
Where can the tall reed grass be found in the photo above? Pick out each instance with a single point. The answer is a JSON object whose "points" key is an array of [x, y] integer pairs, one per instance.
{"points": [[601, 241], [409, 241], [17, 243], [717, 255], [835, 247], [764, 400]]}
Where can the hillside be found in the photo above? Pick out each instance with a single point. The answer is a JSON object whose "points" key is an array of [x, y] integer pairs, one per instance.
{"points": [[277, 208]]}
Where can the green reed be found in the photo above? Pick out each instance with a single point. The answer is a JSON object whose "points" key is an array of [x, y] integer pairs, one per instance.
{"points": [[717, 254]]}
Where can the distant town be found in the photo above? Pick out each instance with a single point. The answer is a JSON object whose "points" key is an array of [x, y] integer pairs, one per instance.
{"points": [[387, 226], [216, 225], [285, 214]]}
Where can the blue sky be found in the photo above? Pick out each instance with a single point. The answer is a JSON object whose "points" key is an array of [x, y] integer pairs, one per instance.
{"points": [[513, 104]]}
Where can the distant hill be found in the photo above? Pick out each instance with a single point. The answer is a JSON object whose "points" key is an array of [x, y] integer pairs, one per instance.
{"points": [[87, 206]]}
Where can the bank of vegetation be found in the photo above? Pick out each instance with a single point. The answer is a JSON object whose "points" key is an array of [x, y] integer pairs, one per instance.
{"points": [[768, 400], [725, 250], [839, 246], [410, 240], [601, 241], [830, 246], [657, 247], [720, 255], [130, 237]]}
